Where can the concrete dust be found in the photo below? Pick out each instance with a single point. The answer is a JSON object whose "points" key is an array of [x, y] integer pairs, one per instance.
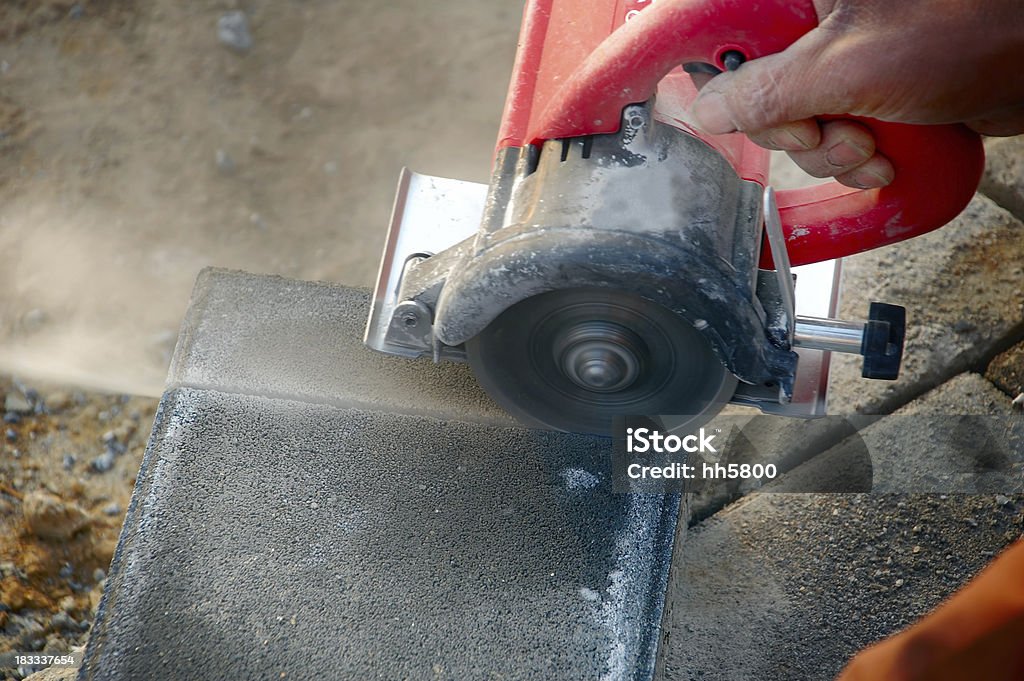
{"points": [[136, 149]]}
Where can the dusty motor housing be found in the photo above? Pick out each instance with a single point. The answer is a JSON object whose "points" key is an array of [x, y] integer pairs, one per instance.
{"points": [[649, 209]]}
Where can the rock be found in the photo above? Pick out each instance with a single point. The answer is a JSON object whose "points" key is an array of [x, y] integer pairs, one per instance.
{"points": [[62, 621], [11, 435], [1007, 370], [233, 31], [54, 674], [225, 164], [104, 462], [1003, 181], [50, 517], [124, 431], [111, 509], [58, 400], [17, 403]]}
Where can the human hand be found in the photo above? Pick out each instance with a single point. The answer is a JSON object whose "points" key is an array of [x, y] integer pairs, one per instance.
{"points": [[976, 634], [911, 61]]}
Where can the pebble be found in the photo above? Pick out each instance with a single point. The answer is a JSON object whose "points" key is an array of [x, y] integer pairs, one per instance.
{"points": [[964, 326], [225, 164], [98, 575], [104, 462], [69, 461], [1018, 402], [11, 435], [1003, 500], [112, 509], [50, 517], [62, 621], [233, 31], [57, 401], [54, 674], [11, 417], [17, 403]]}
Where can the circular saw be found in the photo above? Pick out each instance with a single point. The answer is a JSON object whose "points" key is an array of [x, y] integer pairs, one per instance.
{"points": [[621, 263]]}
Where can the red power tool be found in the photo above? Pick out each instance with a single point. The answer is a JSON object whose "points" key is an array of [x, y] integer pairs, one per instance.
{"points": [[620, 262]]}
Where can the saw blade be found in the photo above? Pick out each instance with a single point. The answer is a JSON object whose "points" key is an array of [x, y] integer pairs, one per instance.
{"points": [[574, 359]]}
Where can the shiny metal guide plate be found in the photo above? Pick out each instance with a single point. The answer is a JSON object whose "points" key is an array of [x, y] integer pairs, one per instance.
{"points": [[430, 214]]}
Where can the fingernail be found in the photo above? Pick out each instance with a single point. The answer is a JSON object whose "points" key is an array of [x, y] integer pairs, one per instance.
{"points": [[794, 138], [710, 113], [869, 179], [844, 154]]}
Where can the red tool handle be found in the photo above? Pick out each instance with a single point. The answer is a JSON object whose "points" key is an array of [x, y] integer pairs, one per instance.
{"points": [[572, 94]]}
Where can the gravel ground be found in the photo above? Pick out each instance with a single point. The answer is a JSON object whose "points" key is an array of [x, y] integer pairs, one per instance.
{"points": [[68, 461]]}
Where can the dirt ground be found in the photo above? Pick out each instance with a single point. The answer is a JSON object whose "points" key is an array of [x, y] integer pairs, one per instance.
{"points": [[137, 147]]}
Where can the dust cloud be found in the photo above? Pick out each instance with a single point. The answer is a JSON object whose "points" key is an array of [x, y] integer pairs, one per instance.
{"points": [[136, 149]]}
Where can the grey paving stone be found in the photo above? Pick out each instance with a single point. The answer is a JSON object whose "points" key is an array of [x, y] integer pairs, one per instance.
{"points": [[1003, 181], [281, 529], [962, 289], [789, 586]]}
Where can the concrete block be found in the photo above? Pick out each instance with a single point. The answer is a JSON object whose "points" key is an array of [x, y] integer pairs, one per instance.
{"points": [[1003, 181], [963, 291], [789, 586], [281, 529]]}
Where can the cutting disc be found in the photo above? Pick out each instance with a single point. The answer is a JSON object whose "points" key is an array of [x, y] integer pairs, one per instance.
{"points": [[574, 359]]}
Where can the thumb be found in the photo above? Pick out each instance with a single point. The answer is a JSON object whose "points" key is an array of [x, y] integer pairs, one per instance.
{"points": [[769, 91]]}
